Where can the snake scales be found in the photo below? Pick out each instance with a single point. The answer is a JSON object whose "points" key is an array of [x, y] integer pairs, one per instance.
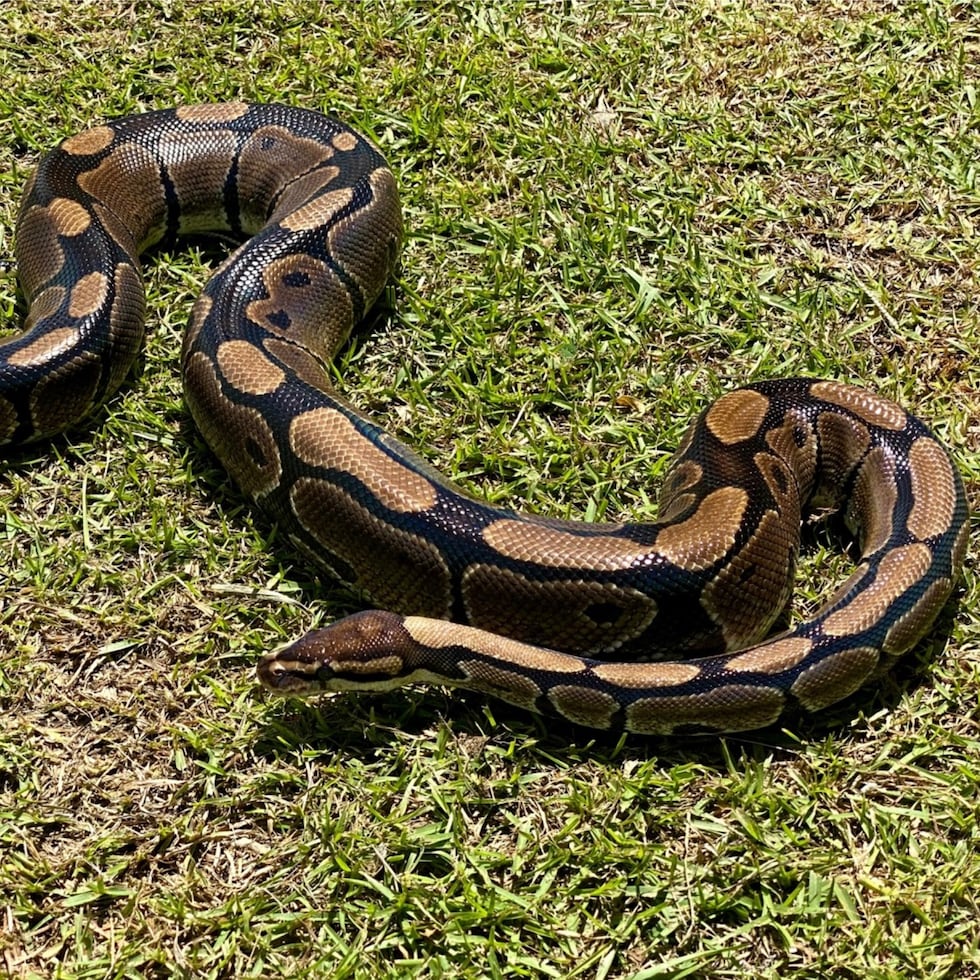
{"points": [[319, 211]]}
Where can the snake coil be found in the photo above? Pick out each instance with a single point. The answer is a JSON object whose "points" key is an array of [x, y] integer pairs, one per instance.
{"points": [[545, 614]]}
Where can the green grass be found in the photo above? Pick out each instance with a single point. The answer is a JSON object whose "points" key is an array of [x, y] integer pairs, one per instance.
{"points": [[613, 218]]}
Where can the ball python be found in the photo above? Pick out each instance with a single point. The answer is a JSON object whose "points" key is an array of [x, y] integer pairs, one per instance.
{"points": [[653, 628]]}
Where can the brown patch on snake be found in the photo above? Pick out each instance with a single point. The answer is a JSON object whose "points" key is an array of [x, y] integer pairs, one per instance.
{"points": [[350, 240], [729, 708], [262, 170], [583, 705], [302, 190], [345, 141], [239, 435], [324, 437], [872, 503], [737, 416], [800, 459], [439, 635], [747, 595], [93, 140], [218, 112], [842, 444], [88, 294], [45, 304], [301, 363], [834, 677], [246, 368], [587, 617], [897, 572], [677, 508], [933, 489], [517, 689], [118, 231], [864, 404], [558, 548], [307, 300], [913, 625], [128, 182], [195, 175], [782, 485], [675, 501], [682, 476], [40, 252], [771, 658], [646, 675], [709, 534], [318, 212], [50, 344], [398, 570]]}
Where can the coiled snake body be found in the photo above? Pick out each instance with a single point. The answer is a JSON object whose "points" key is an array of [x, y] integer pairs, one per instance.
{"points": [[319, 209]]}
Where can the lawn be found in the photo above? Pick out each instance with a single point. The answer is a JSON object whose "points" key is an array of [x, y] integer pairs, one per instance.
{"points": [[615, 213]]}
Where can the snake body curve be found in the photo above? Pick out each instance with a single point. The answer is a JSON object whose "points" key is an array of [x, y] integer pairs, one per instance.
{"points": [[545, 614]]}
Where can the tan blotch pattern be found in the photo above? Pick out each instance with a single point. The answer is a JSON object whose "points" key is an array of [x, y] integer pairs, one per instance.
{"points": [[45, 304], [583, 705], [842, 444], [239, 435], [40, 254], [730, 708], [246, 368], [310, 296], [737, 416], [440, 635], [634, 676], [318, 212], [897, 572], [772, 658], [128, 182], [933, 489], [509, 686], [324, 437], [301, 362], [88, 295], [747, 595], [218, 112], [872, 504], [865, 404], [912, 626], [557, 548], [272, 158], [367, 247], [345, 141], [49, 345], [554, 614], [93, 140], [195, 175], [709, 534], [399, 571], [834, 677]]}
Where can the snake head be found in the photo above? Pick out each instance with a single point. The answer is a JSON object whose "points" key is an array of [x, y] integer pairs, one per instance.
{"points": [[363, 652]]}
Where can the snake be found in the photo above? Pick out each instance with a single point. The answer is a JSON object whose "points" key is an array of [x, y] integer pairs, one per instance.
{"points": [[662, 627]]}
